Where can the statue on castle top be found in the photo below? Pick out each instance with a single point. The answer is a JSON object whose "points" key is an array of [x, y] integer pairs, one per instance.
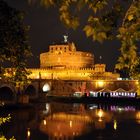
{"points": [[65, 38]]}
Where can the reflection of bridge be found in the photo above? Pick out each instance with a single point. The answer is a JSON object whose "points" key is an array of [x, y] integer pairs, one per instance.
{"points": [[67, 121]]}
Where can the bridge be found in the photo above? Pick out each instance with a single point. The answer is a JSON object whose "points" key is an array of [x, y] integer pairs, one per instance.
{"points": [[39, 88], [9, 93]]}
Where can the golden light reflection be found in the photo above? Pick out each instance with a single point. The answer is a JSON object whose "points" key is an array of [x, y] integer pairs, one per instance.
{"points": [[44, 121], [65, 125], [100, 114], [138, 117], [115, 125], [28, 133]]}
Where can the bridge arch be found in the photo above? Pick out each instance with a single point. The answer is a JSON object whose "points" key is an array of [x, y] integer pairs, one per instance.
{"points": [[7, 93], [30, 90]]}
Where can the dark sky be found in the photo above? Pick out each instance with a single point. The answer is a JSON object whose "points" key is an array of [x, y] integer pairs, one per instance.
{"points": [[46, 29]]}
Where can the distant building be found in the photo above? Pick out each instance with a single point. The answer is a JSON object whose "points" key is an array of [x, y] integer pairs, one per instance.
{"points": [[66, 63], [67, 71], [64, 71]]}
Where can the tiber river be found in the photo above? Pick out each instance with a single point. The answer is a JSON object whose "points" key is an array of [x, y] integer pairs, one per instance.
{"points": [[64, 121]]}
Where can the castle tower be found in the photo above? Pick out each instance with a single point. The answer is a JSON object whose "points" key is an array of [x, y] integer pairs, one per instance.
{"points": [[100, 68], [66, 56]]}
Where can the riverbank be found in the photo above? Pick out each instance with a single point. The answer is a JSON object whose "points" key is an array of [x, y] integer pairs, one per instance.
{"points": [[16, 106], [64, 99], [114, 101]]}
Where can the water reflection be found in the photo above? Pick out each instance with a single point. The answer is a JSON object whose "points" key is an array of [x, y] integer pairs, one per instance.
{"points": [[66, 121], [70, 121], [28, 133], [138, 117], [115, 125], [62, 125], [54, 121]]}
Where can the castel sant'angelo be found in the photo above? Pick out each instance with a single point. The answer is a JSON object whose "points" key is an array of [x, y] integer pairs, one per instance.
{"points": [[64, 62], [76, 69]]}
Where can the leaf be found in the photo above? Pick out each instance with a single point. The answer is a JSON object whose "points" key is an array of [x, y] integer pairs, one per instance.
{"points": [[130, 17], [122, 30], [101, 36], [88, 30]]}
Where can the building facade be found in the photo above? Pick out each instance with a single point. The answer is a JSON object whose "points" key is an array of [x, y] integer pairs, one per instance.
{"points": [[72, 70], [66, 56], [66, 63]]}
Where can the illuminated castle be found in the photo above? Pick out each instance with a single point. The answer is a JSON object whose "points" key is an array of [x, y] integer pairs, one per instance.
{"points": [[66, 63], [66, 56], [71, 70]]}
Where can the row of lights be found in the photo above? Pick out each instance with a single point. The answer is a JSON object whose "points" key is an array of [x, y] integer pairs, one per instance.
{"points": [[114, 94]]}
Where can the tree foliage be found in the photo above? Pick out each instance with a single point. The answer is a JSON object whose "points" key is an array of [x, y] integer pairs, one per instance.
{"points": [[3, 120], [129, 34], [107, 19], [102, 18], [14, 46]]}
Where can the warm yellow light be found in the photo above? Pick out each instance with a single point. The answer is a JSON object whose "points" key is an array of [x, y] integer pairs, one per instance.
{"points": [[100, 83], [115, 125], [28, 133], [138, 117], [44, 121], [100, 120], [100, 113], [70, 123], [137, 82]]}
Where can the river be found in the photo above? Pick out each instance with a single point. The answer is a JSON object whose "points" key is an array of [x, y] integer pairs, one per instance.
{"points": [[73, 121]]}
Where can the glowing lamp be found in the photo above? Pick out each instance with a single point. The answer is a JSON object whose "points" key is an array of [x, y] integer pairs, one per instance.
{"points": [[46, 88], [100, 83]]}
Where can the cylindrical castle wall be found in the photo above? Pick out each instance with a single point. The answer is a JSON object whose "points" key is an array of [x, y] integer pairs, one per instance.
{"points": [[66, 59]]}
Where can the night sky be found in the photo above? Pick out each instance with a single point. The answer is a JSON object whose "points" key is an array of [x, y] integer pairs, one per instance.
{"points": [[46, 29]]}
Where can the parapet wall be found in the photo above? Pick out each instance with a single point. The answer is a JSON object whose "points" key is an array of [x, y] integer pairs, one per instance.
{"points": [[71, 74]]}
